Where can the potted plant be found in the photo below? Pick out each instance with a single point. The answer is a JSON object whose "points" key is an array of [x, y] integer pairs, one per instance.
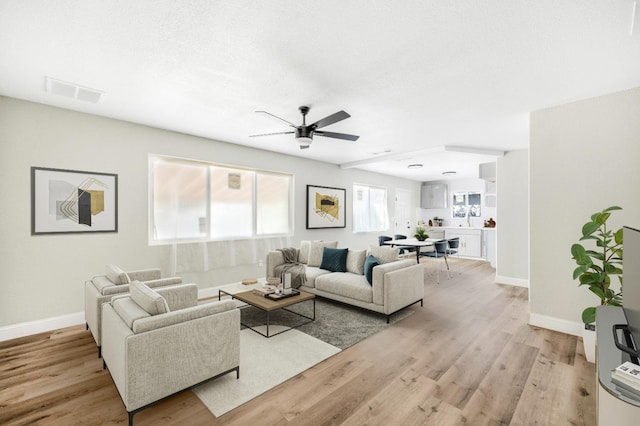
{"points": [[421, 234], [595, 268]]}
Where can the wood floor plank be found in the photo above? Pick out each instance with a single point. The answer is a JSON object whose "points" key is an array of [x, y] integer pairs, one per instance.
{"points": [[467, 357]]}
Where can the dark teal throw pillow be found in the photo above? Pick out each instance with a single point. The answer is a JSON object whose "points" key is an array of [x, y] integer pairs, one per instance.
{"points": [[369, 263], [334, 260]]}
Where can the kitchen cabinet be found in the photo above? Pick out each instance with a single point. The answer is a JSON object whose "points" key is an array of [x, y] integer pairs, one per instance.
{"points": [[470, 241], [489, 240], [436, 233], [434, 196]]}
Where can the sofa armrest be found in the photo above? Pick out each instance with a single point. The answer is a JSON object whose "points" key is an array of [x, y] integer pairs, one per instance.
{"points": [[379, 273], [403, 287], [154, 322], [179, 296], [274, 258], [145, 274]]}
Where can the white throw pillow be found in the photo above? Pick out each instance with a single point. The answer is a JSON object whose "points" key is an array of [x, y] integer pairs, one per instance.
{"points": [[355, 261], [385, 254], [303, 255], [316, 250], [148, 299]]}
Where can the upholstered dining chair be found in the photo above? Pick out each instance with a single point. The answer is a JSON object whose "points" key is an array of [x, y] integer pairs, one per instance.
{"points": [[382, 239], [439, 252], [454, 246], [406, 249]]}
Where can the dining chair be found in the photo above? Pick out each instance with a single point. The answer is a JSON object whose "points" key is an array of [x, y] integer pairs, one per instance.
{"points": [[454, 246], [382, 239], [439, 252], [406, 249]]}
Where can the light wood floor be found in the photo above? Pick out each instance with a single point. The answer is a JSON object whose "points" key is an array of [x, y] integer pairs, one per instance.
{"points": [[466, 357]]}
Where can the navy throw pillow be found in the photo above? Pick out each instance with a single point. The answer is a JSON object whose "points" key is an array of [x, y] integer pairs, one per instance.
{"points": [[368, 268], [334, 260]]}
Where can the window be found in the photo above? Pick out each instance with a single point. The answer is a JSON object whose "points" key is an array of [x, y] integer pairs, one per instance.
{"points": [[369, 209], [466, 203], [201, 201]]}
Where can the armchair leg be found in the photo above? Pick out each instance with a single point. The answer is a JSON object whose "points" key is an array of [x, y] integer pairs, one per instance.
{"points": [[99, 351], [86, 326], [131, 417]]}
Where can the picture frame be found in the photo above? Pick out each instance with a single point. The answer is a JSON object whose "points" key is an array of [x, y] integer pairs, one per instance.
{"points": [[326, 207], [72, 201]]}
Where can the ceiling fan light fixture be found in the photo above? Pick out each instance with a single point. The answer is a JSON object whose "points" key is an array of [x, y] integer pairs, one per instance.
{"points": [[415, 166], [450, 172], [303, 141]]}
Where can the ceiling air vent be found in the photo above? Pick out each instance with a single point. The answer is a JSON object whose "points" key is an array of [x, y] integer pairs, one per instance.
{"points": [[74, 91]]}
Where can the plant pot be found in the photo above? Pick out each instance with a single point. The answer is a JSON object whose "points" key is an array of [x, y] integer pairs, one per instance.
{"points": [[589, 342]]}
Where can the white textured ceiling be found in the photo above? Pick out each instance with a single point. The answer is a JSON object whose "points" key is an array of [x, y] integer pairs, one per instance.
{"points": [[417, 77]]}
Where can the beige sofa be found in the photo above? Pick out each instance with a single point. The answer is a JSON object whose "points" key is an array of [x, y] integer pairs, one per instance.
{"points": [[101, 289], [396, 284], [156, 343]]}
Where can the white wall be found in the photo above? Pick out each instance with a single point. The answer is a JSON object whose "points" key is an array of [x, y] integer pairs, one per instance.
{"points": [[513, 212], [584, 156], [43, 276]]}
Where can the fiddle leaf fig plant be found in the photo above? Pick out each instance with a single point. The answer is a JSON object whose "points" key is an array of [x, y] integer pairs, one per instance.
{"points": [[597, 265]]}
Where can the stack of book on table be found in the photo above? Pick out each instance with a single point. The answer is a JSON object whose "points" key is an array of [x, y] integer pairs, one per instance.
{"points": [[264, 290], [626, 377]]}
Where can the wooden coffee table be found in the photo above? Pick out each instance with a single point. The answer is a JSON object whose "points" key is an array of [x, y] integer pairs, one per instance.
{"points": [[268, 305]]}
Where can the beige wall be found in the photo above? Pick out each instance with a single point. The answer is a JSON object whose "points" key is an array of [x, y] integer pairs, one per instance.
{"points": [[584, 156], [43, 276]]}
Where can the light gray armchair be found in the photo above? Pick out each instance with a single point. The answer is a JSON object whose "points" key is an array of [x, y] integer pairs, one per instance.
{"points": [[156, 343], [101, 289]]}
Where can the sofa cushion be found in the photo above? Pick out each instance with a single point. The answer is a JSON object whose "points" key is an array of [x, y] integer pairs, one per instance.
{"points": [[385, 254], [355, 261], [101, 283], [148, 299], [312, 273], [334, 260], [315, 253], [369, 264], [303, 255], [116, 275], [346, 284]]}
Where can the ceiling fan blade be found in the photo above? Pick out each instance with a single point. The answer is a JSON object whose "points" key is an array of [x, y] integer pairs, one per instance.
{"points": [[270, 134], [333, 118], [304, 146], [275, 116], [337, 135]]}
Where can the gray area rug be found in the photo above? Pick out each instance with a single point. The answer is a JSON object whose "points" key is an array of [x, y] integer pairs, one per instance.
{"points": [[337, 324]]}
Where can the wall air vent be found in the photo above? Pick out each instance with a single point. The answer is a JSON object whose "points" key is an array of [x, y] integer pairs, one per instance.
{"points": [[74, 91]]}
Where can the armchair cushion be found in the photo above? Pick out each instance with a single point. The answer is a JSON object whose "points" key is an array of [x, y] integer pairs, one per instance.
{"points": [[128, 310], [148, 299], [116, 275]]}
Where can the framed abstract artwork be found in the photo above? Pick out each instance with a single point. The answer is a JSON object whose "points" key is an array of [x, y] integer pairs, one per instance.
{"points": [[70, 201], [325, 207]]}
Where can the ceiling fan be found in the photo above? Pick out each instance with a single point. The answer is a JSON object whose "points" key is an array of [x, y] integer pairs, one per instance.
{"points": [[304, 133]]}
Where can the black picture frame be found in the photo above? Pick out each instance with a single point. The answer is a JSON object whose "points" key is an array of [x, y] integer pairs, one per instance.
{"points": [[326, 207], [72, 201]]}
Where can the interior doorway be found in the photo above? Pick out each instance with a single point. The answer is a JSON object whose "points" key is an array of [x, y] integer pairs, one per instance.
{"points": [[402, 213]]}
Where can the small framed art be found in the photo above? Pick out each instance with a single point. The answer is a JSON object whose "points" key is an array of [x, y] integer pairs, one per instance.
{"points": [[325, 207]]}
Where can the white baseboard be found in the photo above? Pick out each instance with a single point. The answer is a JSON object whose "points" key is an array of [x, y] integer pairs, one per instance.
{"points": [[518, 282], [23, 329], [556, 324], [15, 331]]}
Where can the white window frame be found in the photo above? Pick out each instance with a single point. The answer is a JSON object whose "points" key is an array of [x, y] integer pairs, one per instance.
{"points": [[151, 232]]}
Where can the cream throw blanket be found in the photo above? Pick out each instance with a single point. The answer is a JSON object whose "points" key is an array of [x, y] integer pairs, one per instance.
{"points": [[292, 266]]}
